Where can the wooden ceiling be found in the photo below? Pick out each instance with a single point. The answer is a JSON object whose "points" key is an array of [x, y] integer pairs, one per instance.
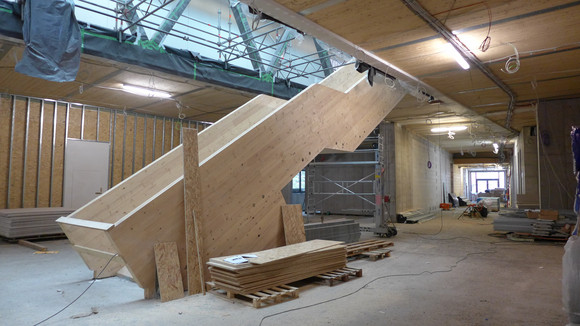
{"points": [[99, 83], [545, 33]]}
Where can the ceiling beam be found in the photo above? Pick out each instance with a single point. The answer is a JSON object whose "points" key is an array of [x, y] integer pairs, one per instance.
{"points": [[440, 28]]}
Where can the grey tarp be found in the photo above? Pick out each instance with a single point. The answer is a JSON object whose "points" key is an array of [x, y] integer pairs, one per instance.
{"points": [[53, 40]]}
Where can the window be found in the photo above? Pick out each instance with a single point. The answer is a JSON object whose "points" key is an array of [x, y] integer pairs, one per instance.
{"points": [[487, 180], [299, 182]]}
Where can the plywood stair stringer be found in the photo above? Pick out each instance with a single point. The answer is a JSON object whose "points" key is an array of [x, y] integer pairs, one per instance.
{"points": [[244, 173], [127, 197]]}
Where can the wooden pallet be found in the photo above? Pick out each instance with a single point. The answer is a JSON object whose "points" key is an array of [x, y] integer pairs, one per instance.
{"points": [[342, 274], [377, 254], [357, 248], [271, 296]]}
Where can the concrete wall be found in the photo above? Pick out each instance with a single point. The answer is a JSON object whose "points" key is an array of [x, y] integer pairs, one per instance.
{"points": [[526, 169], [557, 181], [418, 186]]}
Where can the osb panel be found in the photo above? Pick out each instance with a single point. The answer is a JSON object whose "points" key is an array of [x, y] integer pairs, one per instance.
{"points": [[159, 135], [17, 171], [117, 143], [90, 126], [46, 155], [5, 118], [74, 122], [128, 146], [104, 125], [149, 156], [58, 168], [139, 138]]}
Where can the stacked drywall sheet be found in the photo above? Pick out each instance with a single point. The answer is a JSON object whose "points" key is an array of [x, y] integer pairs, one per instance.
{"points": [[418, 216], [513, 224], [274, 267], [340, 230], [31, 222], [518, 221]]}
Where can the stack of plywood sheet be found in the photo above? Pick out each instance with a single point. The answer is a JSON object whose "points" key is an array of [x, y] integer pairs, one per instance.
{"points": [[31, 222], [278, 266]]}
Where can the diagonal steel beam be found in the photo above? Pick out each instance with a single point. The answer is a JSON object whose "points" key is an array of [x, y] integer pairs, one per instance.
{"points": [[146, 15], [246, 33], [168, 24], [324, 58], [129, 11]]}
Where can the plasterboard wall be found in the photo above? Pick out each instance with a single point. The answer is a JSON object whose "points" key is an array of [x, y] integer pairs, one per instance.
{"points": [[418, 186]]}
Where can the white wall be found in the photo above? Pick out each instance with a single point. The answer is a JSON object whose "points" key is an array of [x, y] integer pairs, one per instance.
{"points": [[418, 186]]}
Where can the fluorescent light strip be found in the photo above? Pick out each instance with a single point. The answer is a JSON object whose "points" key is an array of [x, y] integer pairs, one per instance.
{"points": [[447, 129], [457, 56], [145, 91]]}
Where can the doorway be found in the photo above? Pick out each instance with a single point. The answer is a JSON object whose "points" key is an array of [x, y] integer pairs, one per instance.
{"points": [[86, 170]]}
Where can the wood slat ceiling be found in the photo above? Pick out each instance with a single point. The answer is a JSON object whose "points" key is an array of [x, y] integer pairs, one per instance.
{"points": [[546, 34]]}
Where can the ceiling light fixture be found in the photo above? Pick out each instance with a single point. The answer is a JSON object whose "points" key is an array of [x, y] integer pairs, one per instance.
{"points": [[457, 56], [447, 129], [145, 91]]}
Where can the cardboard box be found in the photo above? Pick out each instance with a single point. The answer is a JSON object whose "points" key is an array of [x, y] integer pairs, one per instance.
{"points": [[548, 214], [533, 214]]}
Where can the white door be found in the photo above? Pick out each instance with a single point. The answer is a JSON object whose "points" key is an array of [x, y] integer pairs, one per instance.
{"points": [[86, 170]]}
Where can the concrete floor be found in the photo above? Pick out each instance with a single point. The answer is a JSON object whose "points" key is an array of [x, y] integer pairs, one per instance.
{"points": [[460, 276]]}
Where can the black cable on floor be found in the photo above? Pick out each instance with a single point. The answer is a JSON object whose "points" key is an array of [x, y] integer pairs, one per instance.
{"points": [[376, 279], [80, 295]]}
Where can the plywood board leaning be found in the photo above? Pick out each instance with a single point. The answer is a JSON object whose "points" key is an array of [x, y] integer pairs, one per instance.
{"points": [[293, 224], [168, 271], [192, 205]]}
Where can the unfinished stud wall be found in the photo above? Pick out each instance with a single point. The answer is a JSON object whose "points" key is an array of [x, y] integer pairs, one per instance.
{"points": [[418, 186], [33, 142], [557, 181]]}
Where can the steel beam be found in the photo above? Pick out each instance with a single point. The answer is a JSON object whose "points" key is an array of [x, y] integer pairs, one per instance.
{"points": [[246, 33], [324, 58], [129, 11], [168, 24]]}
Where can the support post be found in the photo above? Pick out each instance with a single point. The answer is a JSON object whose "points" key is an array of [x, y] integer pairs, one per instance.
{"points": [[193, 211]]}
